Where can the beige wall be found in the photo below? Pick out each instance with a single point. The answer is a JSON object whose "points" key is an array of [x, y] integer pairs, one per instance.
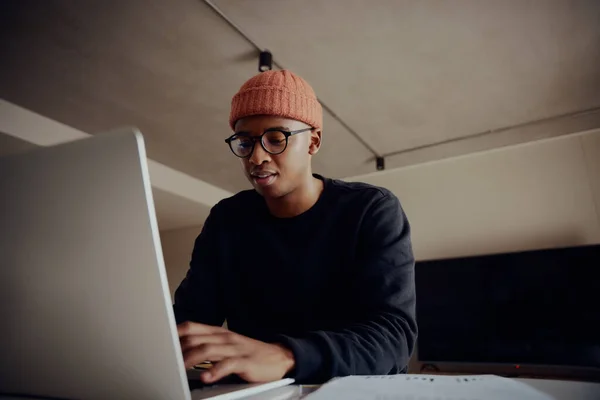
{"points": [[177, 245], [591, 148], [537, 195]]}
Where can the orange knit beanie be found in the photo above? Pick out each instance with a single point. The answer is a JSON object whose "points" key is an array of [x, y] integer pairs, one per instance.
{"points": [[277, 93]]}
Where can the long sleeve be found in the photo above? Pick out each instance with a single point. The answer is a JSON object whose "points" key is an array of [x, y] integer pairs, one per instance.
{"points": [[198, 297], [381, 336]]}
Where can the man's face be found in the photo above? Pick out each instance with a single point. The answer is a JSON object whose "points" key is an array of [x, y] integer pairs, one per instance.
{"points": [[277, 175]]}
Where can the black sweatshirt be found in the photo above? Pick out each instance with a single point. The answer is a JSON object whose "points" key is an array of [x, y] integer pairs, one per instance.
{"points": [[334, 284]]}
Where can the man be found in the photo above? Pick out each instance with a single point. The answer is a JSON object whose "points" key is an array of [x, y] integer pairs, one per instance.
{"points": [[314, 276]]}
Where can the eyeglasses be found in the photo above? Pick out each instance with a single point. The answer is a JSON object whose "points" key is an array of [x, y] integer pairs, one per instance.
{"points": [[273, 141]]}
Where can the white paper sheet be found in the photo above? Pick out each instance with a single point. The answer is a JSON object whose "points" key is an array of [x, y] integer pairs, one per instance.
{"points": [[427, 387]]}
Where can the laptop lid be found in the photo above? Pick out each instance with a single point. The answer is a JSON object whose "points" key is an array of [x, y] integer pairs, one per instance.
{"points": [[84, 299]]}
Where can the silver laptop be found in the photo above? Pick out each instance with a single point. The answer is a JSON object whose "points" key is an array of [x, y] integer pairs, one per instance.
{"points": [[85, 308]]}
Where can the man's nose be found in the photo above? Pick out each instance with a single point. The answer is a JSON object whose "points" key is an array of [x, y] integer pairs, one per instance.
{"points": [[259, 155]]}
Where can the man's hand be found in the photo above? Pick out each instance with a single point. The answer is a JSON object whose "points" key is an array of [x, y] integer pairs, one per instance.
{"points": [[250, 359]]}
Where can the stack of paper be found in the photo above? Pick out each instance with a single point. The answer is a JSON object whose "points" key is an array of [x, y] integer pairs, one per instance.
{"points": [[427, 387]]}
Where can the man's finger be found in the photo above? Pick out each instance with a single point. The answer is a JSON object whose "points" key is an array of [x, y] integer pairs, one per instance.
{"points": [[189, 342], [234, 365], [195, 328], [209, 352]]}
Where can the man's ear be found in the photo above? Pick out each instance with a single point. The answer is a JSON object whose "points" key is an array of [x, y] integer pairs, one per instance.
{"points": [[315, 142]]}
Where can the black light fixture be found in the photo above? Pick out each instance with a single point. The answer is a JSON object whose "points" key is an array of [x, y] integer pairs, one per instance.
{"points": [[265, 61], [380, 162]]}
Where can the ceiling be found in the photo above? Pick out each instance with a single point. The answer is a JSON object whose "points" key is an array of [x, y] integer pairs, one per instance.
{"points": [[416, 80], [407, 74]]}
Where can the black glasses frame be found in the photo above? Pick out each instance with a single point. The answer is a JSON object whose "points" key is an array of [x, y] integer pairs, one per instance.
{"points": [[259, 138]]}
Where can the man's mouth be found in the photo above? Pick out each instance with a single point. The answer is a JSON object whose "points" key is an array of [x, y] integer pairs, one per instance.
{"points": [[263, 178]]}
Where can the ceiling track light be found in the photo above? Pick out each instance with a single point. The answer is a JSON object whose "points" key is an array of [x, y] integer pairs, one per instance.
{"points": [[265, 61]]}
